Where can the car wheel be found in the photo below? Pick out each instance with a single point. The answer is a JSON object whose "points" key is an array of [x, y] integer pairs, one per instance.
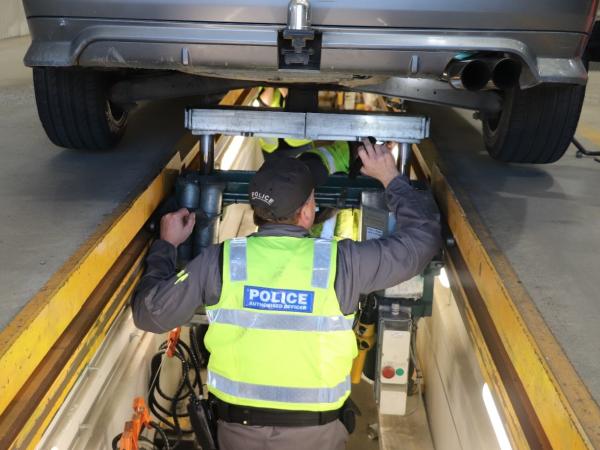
{"points": [[535, 125], [74, 109]]}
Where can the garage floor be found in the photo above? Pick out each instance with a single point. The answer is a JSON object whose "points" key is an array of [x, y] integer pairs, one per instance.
{"points": [[53, 199], [544, 219]]}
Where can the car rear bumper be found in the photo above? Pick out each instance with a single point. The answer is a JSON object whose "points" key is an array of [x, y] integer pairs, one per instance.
{"points": [[250, 51]]}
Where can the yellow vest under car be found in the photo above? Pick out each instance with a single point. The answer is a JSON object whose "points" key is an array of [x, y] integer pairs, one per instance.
{"points": [[277, 336]]}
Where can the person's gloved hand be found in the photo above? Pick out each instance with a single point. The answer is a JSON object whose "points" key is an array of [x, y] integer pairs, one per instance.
{"points": [[378, 162], [177, 226]]}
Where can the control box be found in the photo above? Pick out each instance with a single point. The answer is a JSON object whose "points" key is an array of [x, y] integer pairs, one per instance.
{"points": [[393, 359]]}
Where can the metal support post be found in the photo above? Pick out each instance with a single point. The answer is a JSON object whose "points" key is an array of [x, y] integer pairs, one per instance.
{"points": [[404, 156], [207, 145], [211, 202], [208, 193]]}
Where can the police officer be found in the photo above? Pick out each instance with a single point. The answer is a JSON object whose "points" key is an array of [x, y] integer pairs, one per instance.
{"points": [[323, 158], [281, 304]]}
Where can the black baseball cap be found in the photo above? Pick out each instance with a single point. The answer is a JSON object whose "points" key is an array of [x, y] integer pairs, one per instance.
{"points": [[283, 184]]}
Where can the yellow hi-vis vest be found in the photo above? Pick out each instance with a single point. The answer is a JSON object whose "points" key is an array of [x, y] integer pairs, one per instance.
{"points": [[335, 156], [277, 337], [344, 225], [270, 144]]}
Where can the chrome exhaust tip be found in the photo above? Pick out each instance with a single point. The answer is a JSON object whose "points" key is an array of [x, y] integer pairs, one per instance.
{"points": [[470, 74], [506, 73]]}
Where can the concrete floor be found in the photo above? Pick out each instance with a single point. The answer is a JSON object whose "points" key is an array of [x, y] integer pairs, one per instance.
{"points": [[52, 199], [544, 219]]}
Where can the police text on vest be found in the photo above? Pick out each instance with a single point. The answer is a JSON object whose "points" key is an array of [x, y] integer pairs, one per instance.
{"points": [[256, 297]]}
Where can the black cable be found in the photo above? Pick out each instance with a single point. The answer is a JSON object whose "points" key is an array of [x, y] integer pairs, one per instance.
{"points": [[581, 150], [190, 385], [163, 435], [180, 394], [115, 441], [196, 353]]}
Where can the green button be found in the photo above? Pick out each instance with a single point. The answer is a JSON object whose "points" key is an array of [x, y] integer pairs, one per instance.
{"points": [[400, 372]]}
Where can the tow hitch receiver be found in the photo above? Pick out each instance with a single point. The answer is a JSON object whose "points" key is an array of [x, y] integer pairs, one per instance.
{"points": [[299, 46]]}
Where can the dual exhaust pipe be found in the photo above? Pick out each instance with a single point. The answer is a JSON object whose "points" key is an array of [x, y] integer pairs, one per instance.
{"points": [[487, 72]]}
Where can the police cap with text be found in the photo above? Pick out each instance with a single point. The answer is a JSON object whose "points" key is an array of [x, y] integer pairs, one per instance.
{"points": [[281, 186]]}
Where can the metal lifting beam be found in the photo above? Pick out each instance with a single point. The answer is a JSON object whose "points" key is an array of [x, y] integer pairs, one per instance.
{"points": [[207, 190], [339, 191], [264, 122]]}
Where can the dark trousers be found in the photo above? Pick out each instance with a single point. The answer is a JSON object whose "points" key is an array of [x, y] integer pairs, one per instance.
{"points": [[331, 436]]}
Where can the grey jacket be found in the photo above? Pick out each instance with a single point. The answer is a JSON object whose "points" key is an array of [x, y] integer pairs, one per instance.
{"points": [[159, 304]]}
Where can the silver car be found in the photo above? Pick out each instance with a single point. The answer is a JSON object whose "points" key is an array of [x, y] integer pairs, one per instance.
{"points": [[520, 63]]}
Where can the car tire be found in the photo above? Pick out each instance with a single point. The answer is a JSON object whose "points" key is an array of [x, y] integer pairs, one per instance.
{"points": [[535, 125], [74, 109]]}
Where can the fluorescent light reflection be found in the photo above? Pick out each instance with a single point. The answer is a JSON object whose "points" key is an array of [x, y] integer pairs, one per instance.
{"points": [[497, 424], [443, 277], [232, 152]]}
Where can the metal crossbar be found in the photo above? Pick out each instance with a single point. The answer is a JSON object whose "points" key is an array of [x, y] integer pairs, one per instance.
{"points": [[264, 122]]}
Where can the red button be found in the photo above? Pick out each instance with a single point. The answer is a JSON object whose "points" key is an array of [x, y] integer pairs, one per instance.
{"points": [[388, 372]]}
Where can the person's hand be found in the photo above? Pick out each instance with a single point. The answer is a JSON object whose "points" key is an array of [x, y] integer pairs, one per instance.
{"points": [[177, 226], [378, 162]]}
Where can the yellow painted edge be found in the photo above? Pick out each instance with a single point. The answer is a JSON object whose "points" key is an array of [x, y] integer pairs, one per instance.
{"points": [[554, 412], [29, 336], [486, 363], [489, 370], [40, 418], [552, 409], [25, 347], [96, 336]]}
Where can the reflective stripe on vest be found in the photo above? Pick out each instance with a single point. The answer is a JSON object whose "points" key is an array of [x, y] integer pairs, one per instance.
{"points": [[335, 156], [278, 393], [288, 322], [344, 225], [237, 259], [327, 158], [328, 229], [321, 261]]}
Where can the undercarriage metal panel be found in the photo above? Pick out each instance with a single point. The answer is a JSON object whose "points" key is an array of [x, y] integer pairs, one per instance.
{"points": [[436, 93], [541, 15], [251, 52]]}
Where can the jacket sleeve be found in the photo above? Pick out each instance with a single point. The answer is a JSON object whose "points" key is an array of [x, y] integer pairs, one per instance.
{"points": [[165, 299], [368, 266]]}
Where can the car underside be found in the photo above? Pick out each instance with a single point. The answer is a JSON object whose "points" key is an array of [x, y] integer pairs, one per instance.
{"points": [[521, 65]]}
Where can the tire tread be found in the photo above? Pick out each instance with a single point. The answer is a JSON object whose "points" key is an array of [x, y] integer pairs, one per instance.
{"points": [[71, 104], [536, 125]]}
